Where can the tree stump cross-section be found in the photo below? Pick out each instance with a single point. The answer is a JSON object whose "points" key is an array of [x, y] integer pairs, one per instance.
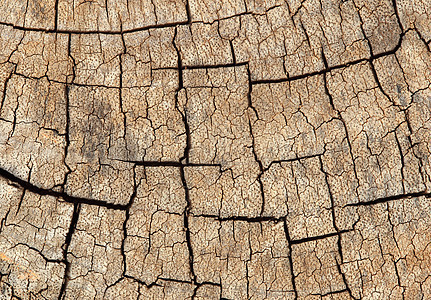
{"points": [[215, 149]]}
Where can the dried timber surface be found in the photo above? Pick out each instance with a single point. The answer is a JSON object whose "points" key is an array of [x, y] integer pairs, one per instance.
{"points": [[215, 149]]}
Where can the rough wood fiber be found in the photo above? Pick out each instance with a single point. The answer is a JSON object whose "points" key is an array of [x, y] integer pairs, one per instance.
{"points": [[215, 149]]}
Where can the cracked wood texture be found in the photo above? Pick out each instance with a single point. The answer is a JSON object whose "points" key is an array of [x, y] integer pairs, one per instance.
{"points": [[215, 149]]}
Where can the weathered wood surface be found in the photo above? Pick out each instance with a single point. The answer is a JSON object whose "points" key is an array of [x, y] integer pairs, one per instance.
{"points": [[208, 149]]}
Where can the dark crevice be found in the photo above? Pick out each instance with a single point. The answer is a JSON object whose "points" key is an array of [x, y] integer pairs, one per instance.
{"points": [[49, 192], [261, 169], [137, 29], [307, 37], [233, 53], [423, 39], [189, 15], [310, 74], [120, 90], [127, 216], [402, 162], [72, 227], [67, 98], [177, 164], [25, 13], [336, 67], [292, 160], [241, 218], [20, 202], [174, 280], [5, 88], [67, 136], [253, 142], [48, 260], [147, 285], [319, 237], [394, 4], [219, 66], [185, 156], [23, 194], [325, 81], [289, 246], [3, 221], [391, 198], [250, 89], [110, 32], [343, 276], [56, 15], [184, 159], [379, 85], [186, 225]]}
